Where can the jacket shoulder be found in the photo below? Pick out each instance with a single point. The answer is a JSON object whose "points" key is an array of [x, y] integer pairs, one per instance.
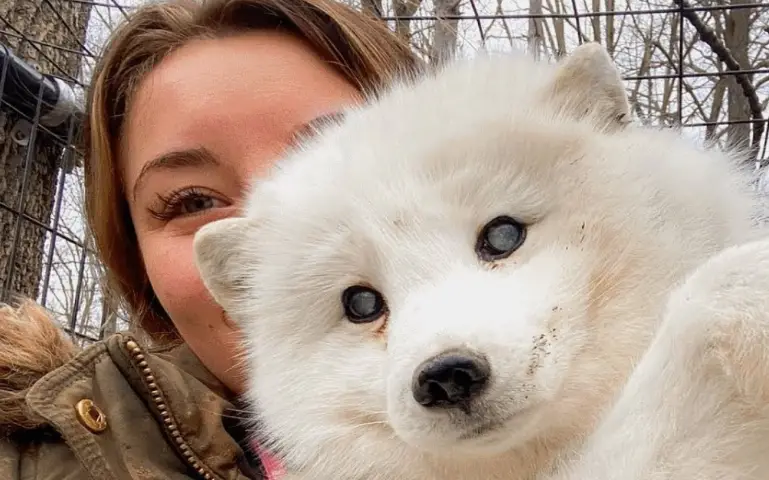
{"points": [[112, 410], [31, 346]]}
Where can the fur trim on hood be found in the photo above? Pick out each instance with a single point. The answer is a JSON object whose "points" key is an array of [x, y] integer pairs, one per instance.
{"points": [[31, 345]]}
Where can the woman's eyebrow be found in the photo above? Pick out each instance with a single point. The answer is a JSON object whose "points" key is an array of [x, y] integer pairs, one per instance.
{"points": [[193, 157]]}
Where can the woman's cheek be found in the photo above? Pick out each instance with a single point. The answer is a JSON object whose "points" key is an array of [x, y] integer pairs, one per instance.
{"points": [[198, 319], [176, 281]]}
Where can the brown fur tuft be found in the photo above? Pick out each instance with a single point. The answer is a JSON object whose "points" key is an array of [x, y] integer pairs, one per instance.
{"points": [[31, 345]]}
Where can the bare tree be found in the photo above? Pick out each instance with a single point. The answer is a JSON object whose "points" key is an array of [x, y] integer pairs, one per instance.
{"points": [[403, 9], [30, 27], [536, 35], [729, 42], [737, 41], [445, 33]]}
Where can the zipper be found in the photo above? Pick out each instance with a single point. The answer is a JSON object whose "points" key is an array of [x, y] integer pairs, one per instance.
{"points": [[169, 424]]}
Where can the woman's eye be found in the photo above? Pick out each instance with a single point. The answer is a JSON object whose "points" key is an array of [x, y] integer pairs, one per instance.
{"points": [[500, 238], [196, 204], [185, 202], [363, 304]]}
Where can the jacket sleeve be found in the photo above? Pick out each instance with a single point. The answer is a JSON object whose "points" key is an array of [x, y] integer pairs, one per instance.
{"points": [[39, 460], [9, 460]]}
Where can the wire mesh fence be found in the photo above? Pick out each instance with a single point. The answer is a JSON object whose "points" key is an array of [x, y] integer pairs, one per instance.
{"points": [[703, 66]]}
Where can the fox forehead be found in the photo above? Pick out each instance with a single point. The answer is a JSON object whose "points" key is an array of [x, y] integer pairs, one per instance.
{"points": [[345, 180]]}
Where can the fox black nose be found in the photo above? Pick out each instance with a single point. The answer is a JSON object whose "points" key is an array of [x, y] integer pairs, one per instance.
{"points": [[450, 378]]}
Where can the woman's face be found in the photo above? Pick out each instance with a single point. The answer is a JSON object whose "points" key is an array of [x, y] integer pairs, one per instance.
{"points": [[206, 120]]}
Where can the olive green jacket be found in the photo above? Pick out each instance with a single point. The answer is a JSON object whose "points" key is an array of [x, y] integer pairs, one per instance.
{"points": [[116, 411]]}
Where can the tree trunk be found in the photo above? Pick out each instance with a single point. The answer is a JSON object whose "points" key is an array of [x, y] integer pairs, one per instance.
{"points": [[737, 41], [445, 34], [50, 22], [403, 9], [535, 37], [610, 40]]}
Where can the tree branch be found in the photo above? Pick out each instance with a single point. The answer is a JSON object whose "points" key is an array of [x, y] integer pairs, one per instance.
{"points": [[708, 36]]}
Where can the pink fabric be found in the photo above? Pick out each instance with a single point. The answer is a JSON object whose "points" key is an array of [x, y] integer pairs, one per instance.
{"points": [[272, 466]]}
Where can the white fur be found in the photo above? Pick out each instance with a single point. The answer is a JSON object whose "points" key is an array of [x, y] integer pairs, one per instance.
{"points": [[395, 196], [697, 405]]}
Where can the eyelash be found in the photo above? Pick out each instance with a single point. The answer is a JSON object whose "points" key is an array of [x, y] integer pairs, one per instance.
{"points": [[171, 204]]}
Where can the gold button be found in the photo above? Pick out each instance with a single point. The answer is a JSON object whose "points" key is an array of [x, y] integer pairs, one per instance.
{"points": [[91, 416]]}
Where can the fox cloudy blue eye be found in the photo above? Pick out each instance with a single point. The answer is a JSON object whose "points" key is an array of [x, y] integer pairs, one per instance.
{"points": [[363, 304], [499, 238]]}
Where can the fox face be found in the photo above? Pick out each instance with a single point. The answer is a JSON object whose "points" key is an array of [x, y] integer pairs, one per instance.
{"points": [[462, 272]]}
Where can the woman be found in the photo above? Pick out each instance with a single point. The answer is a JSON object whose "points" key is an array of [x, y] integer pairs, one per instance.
{"points": [[188, 103]]}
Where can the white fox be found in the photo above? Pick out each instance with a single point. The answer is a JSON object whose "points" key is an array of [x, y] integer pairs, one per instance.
{"points": [[488, 273]]}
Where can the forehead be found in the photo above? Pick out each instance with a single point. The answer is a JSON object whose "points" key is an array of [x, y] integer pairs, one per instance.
{"points": [[234, 94]]}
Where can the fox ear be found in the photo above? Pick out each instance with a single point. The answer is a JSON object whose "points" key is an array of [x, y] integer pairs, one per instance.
{"points": [[223, 260], [587, 85]]}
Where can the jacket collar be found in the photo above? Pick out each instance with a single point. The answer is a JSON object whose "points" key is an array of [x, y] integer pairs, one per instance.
{"points": [[183, 397]]}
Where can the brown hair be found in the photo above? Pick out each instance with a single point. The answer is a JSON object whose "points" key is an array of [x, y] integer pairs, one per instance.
{"points": [[360, 48]]}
